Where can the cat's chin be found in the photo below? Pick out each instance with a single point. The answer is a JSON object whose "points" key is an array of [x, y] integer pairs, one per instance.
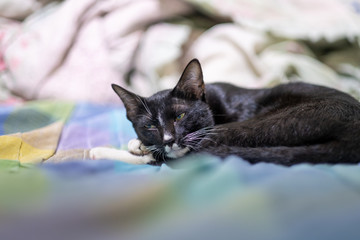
{"points": [[175, 151]]}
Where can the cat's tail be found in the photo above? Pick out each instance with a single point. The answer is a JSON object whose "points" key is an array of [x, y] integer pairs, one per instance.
{"points": [[284, 155]]}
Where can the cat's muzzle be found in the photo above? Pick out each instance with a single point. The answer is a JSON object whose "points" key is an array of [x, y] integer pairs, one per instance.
{"points": [[175, 151]]}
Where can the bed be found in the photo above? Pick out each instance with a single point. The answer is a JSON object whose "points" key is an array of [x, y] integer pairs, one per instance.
{"points": [[57, 104]]}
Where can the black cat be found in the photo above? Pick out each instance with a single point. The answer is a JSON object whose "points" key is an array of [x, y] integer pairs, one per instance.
{"points": [[288, 124]]}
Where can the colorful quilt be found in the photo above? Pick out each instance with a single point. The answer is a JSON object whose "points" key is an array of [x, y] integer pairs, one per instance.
{"points": [[49, 189], [53, 131], [30, 133]]}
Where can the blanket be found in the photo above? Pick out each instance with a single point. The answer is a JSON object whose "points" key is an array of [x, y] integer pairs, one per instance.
{"points": [[53, 131], [30, 133], [50, 189], [203, 198]]}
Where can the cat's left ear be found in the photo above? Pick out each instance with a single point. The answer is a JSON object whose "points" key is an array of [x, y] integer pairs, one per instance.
{"points": [[191, 84], [132, 102]]}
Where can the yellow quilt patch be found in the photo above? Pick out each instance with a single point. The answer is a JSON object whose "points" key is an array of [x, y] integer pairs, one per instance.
{"points": [[10, 146], [31, 147]]}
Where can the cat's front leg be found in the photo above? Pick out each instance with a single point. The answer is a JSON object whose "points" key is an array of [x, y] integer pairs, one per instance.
{"points": [[121, 155]]}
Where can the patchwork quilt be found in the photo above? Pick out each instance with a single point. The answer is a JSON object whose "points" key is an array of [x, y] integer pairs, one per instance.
{"points": [[49, 189], [53, 131]]}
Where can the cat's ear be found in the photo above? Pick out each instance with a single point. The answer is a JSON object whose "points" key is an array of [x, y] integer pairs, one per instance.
{"points": [[132, 102], [191, 84]]}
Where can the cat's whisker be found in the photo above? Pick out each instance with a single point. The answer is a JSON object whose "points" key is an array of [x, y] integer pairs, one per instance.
{"points": [[194, 140], [193, 148], [200, 133], [157, 152]]}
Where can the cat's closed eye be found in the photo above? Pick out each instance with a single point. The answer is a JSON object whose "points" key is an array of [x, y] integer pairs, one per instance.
{"points": [[150, 127]]}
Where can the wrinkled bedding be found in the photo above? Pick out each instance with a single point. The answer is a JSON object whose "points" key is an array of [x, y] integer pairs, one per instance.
{"points": [[57, 61], [207, 199], [50, 189], [73, 49]]}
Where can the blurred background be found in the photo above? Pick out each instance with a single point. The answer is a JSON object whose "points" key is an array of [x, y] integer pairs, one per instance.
{"points": [[74, 50]]}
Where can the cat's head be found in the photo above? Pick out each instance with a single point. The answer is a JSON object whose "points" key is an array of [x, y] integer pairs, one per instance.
{"points": [[171, 122]]}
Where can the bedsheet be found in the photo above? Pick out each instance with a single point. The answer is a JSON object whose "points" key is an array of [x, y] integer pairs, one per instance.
{"points": [[73, 49], [68, 196], [203, 198]]}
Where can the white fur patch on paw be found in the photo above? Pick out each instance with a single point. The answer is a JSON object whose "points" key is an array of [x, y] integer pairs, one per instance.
{"points": [[136, 147], [119, 155]]}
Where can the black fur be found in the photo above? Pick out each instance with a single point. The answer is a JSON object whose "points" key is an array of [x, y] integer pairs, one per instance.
{"points": [[287, 124]]}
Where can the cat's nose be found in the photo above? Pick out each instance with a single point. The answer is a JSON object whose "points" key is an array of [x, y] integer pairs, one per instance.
{"points": [[168, 139]]}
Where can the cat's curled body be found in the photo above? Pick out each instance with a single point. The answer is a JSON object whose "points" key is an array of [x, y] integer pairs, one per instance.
{"points": [[287, 124]]}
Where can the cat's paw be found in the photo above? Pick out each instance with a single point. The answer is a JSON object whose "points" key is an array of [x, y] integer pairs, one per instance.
{"points": [[136, 147]]}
